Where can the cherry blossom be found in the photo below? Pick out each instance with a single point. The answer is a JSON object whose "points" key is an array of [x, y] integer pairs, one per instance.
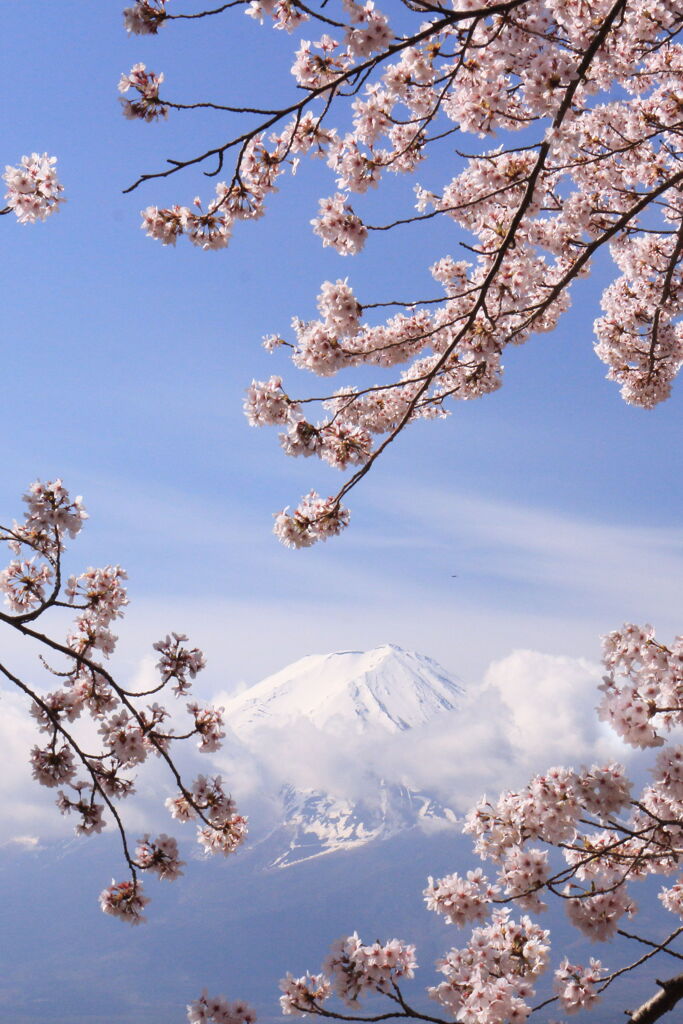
{"points": [[124, 900], [314, 519], [355, 968], [490, 979], [160, 856], [52, 767], [461, 900], [208, 724], [217, 1010], [148, 107], [303, 995], [24, 584], [33, 190], [145, 17], [339, 226], [177, 662], [266, 402], [575, 985]]}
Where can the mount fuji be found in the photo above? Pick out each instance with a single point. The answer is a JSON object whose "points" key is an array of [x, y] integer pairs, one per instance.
{"points": [[350, 707], [387, 688]]}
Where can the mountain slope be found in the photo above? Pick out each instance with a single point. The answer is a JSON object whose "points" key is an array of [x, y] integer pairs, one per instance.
{"points": [[386, 687], [357, 703]]}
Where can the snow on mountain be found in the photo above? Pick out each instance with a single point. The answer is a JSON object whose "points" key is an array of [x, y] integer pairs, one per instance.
{"points": [[386, 688], [385, 692], [318, 823]]}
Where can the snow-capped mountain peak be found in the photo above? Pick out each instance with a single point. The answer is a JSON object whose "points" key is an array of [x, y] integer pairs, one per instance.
{"points": [[386, 688], [362, 705]]}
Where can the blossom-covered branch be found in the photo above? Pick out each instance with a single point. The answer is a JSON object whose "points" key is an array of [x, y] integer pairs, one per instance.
{"points": [[95, 767], [595, 88]]}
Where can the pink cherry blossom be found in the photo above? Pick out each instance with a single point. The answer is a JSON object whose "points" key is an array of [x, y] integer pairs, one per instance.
{"points": [[124, 900], [145, 17], [148, 106], [314, 519], [33, 190], [160, 856], [575, 985]]}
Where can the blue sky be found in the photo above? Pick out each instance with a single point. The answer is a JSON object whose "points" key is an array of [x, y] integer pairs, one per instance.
{"points": [[125, 364]]}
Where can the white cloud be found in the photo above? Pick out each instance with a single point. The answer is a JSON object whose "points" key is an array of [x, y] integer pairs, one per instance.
{"points": [[26, 843], [531, 711], [546, 703]]}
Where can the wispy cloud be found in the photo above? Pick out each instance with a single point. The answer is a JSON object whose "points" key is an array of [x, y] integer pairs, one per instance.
{"points": [[26, 843], [599, 563]]}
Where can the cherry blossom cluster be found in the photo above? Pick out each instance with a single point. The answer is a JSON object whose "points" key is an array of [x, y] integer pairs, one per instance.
{"points": [[672, 898], [124, 900], [548, 808], [33, 190], [575, 984], [607, 837], [221, 829], [159, 855], [567, 809], [242, 199], [598, 916], [314, 519], [491, 978], [145, 17], [286, 14], [354, 969], [177, 662], [217, 1010], [148, 106], [23, 583], [643, 690], [338, 225], [304, 995], [94, 768], [640, 337], [595, 87], [461, 900]]}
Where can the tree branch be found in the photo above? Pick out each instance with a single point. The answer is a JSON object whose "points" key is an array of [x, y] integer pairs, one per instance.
{"points": [[664, 1001]]}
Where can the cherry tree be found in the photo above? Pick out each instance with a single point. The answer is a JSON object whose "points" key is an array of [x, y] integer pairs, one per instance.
{"points": [[97, 730], [575, 837], [574, 109]]}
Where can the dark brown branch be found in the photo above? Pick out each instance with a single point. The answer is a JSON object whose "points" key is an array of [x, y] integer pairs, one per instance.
{"points": [[204, 14], [655, 945], [664, 1001], [666, 293], [352, 74]]}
